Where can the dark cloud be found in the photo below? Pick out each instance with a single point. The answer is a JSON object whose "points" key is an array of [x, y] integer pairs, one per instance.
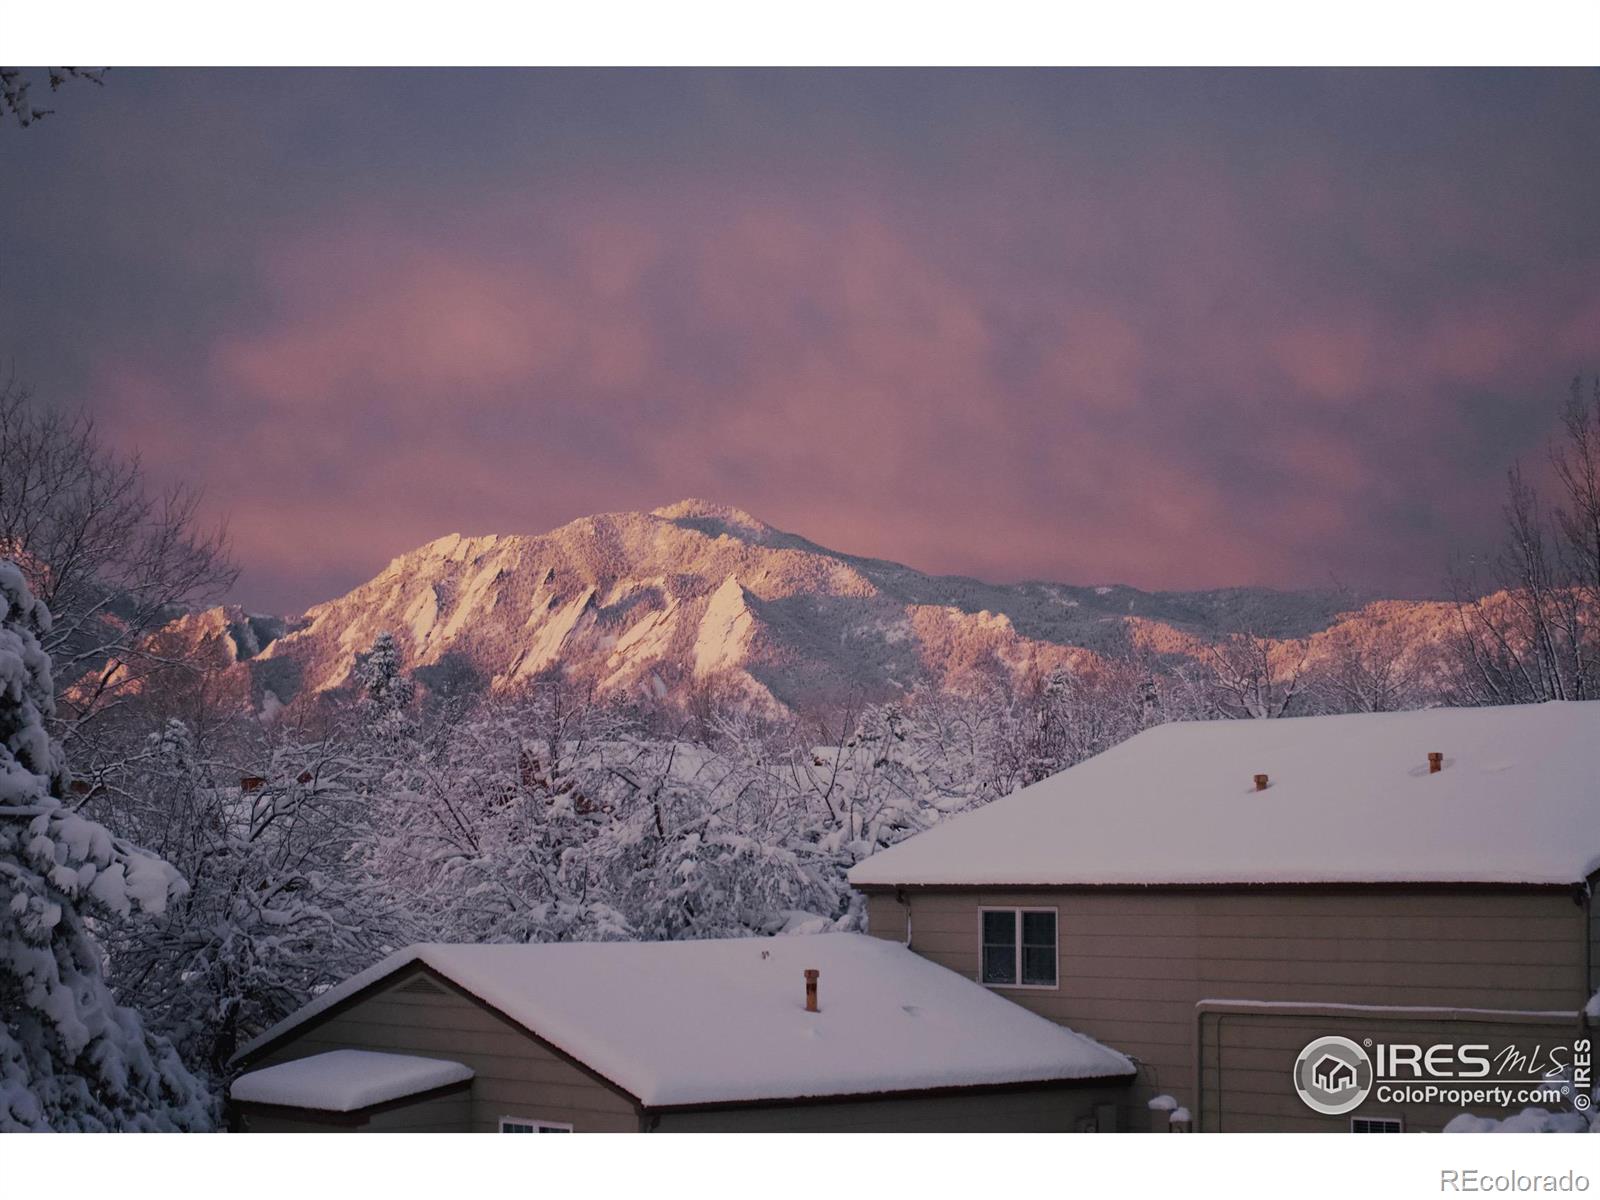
{"points": [[1169, 328]]}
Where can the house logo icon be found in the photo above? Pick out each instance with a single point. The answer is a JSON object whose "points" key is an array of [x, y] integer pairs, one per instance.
{"points": [[1333, 1075]]}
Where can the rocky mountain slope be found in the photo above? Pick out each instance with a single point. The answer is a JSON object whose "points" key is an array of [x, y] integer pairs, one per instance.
{"points": [[695, 595]]}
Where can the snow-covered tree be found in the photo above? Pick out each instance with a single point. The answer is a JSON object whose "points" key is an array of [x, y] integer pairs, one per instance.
{"points": [[269, 833], [1368, 664], [486, 828], [711, 845], [386, 690], [1257, 677], [110, 556], [71, 1056]]}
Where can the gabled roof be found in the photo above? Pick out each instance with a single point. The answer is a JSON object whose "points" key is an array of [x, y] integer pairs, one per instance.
{"points": [[1350, 800], [685, 1023]]}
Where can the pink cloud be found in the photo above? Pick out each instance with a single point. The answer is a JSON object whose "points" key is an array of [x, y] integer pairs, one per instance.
{"points": [[835, 366], [418, 326], [1330, 364]]}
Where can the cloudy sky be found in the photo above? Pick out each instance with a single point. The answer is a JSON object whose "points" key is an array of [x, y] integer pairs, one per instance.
{"points": [[1173, 329]]}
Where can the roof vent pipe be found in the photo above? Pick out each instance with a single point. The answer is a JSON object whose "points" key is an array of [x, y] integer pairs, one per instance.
{"points": [[1261, 783], [1435, 762], [811, 989]]}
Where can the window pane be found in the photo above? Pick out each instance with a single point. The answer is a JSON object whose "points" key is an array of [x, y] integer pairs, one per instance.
{"points": [[1039, 964], [999, 928], [1039, 947], [999, 964], [1000, 947], [554, 1129], [1039, 929]]}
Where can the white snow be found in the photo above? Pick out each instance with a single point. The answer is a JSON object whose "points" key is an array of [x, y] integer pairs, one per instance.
{"points": [[1350, 800], [695, 1022], [1180, 1116], [71, 1057], [1529, 1120], [1162, 1103], [345, 1080], [1592, 1009]]}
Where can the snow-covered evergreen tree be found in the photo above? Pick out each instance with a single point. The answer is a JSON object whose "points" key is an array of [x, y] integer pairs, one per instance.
{"points": [[71, 1057], [386, 690]]}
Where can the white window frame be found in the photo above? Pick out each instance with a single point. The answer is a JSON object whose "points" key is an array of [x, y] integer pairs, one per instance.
{"points": [[540, 1125], [1399, 1124], [1018, 910]]}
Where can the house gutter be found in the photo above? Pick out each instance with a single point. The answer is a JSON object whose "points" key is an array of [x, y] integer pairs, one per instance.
{"points": [[1480, 886], [654, 1112]]}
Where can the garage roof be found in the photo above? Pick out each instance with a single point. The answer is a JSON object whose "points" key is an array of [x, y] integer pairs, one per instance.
{"points": [[706, 1022], [347, 1080]]}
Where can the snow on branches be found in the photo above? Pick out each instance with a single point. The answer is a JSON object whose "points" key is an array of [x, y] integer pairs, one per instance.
{"points": [[71, 1057], [268, 830]]}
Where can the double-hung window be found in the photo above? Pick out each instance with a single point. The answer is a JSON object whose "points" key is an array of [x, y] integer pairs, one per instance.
{"points": [[1376, 1125], [532, 1125], [1018, 947]]}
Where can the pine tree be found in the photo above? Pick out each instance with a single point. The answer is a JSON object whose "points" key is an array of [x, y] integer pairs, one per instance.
{"points": [[384, 685], [386, 691], [71, 1057]]}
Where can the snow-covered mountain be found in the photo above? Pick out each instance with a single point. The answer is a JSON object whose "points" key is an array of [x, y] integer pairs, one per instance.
{"points": [[700, 595]]}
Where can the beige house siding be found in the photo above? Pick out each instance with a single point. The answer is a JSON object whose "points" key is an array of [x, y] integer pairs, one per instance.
{"points": [[1031, 1110], [1247, 1059], [451, 1113], [1135, 962], [516, 1075]]}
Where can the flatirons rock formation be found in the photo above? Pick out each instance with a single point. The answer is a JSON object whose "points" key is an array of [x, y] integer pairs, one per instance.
{"points": [[697, 594]]}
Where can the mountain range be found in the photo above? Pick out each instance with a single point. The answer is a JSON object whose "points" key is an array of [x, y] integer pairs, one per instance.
{"points": [[697, 594]]}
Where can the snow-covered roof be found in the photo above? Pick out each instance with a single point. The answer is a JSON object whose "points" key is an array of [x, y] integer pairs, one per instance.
{"points": [[710, 1022], [346, 1080], [1349, 800]]}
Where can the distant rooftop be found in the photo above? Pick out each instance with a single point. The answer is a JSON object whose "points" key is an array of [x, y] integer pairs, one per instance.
{"points": [[1349, 799], [724, 1021]]}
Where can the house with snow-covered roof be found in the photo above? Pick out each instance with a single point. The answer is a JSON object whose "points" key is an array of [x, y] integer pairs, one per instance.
{"points": [[1209, 897], [825, 1032], [1151, 937]]}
